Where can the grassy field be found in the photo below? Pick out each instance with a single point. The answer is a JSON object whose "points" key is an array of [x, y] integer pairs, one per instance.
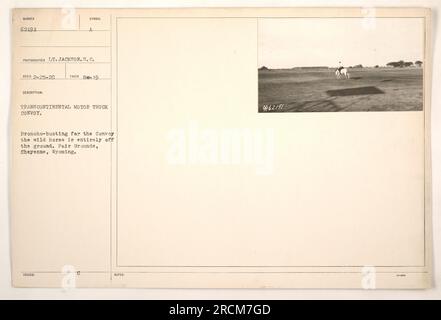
{"points": [[370, 89]]}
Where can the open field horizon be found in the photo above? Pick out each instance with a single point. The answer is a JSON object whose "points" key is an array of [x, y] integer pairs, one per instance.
{"points": [[353, 68], [367, 89]]}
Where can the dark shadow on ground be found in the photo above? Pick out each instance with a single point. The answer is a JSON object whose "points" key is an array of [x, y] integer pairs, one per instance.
{"points": [[354, 91], [356, 78]]}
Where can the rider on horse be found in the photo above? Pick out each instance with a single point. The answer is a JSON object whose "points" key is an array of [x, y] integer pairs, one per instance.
{"points": [[340, 67]]}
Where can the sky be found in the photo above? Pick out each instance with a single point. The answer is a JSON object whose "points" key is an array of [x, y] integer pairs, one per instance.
{"points": [[301, 42]]}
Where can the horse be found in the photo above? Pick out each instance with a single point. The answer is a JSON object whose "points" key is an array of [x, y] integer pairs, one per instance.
{"points": [[342, 72]]}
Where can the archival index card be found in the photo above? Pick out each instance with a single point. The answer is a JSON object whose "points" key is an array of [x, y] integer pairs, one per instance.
{"points": [[208, 148]]}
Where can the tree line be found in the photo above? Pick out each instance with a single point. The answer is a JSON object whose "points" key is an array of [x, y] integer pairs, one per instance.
{"points": [[401, 64]]}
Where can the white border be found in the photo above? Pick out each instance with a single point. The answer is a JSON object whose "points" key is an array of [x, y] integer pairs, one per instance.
{"points": [[6, 290]]}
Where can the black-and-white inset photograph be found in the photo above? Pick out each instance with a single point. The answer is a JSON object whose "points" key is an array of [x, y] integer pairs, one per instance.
{"points": [[340, 64]]}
